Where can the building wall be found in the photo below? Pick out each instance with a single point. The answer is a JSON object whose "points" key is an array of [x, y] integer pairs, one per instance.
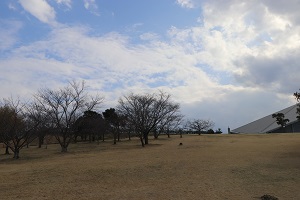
{"points": [[291, 128]]}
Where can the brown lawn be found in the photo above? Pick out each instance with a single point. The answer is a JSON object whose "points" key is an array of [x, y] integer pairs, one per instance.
{"points": [[204, 167]]}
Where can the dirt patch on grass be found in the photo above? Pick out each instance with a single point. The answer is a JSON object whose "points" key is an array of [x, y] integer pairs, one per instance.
{"points": [[203, 167]]}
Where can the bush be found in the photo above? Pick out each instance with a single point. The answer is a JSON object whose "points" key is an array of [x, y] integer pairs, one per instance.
{"points": [[210, 131]]}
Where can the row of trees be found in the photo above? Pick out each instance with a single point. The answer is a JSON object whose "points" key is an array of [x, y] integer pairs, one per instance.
{"points": [[69, 112]]}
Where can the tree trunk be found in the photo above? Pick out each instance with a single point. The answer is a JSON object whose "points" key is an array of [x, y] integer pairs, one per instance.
{"points": [[146, 138], [129, 135], [115, 138], [41, 141], [142, 141], [64, 149], [155, 135], [16, 154], [168, 133], [75, 138], [7, 150]]}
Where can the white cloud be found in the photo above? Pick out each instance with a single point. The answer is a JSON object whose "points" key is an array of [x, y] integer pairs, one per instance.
{"points": [[67, 3], [149, 36], [8, 33], [25, 76], [185, 3], [251, 40], [40, 9], [92, 6], [12, 6], [115, 63]]}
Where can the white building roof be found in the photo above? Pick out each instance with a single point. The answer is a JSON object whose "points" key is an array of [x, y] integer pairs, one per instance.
{"points": [[268, 123]]}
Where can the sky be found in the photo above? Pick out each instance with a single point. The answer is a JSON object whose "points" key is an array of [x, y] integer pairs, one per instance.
{"points": [[230, 61]]}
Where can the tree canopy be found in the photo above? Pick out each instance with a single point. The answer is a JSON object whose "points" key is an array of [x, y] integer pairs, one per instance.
{"points": [[145, 112], [64, 106], [200, 125], [297, 96], [280, 119]]}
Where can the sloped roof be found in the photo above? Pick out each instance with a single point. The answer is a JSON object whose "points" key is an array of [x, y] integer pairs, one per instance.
{"points": [[268, 123]]}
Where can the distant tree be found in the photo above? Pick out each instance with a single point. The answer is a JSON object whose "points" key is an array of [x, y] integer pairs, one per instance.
{"points": [[200, 125], [218, 131], [180, 131], [64, 106], [128, 128], [297, 97], [210, 131], [146, 112], [280, 119], [45, 128], [168, 124], [18, 124], [90, 124], [115, 122]]}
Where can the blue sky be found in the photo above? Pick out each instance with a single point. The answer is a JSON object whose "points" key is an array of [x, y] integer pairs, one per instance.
{"points": [[228, 61]]}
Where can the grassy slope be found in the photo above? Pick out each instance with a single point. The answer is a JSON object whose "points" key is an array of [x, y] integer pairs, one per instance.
{"points": [[204, 167]]}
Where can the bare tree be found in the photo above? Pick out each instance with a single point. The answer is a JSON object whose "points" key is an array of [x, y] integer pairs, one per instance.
{"points": [[145, 112], [200, 125], [18, 124], [64, 106], [170, 123]]}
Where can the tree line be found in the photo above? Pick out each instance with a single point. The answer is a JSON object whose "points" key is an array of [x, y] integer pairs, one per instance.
{"points": [[70, 114]]}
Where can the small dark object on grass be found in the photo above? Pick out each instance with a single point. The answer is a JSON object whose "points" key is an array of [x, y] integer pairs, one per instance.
{"points": [[268, 197], [180, 143]]}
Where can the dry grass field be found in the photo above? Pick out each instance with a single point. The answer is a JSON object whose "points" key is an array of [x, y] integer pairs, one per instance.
{"points": [[204, 167]]}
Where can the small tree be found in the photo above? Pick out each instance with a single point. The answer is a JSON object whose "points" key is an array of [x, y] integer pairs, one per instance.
{"points": [[280, 119], [218, 131], [297, 96], [63, 108], [200, 125], [210, 131]]}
